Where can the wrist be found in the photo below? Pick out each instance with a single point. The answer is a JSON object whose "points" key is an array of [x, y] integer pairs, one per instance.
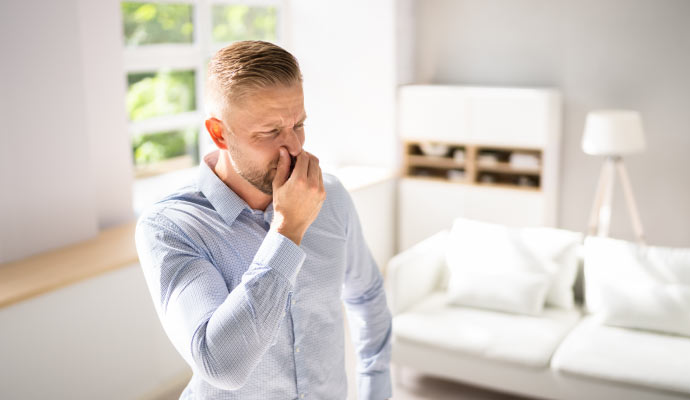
{"points": [[293, 233], [290, 234]]}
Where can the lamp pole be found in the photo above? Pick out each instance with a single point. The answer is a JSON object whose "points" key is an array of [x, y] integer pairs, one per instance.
{"points": [[600, 216]]}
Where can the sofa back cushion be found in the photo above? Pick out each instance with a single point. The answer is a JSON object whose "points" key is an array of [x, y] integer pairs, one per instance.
{"points": [[636, 286], [489, 256]]}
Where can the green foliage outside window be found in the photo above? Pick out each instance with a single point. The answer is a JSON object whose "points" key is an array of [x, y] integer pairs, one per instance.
{"points": [[154, 147], [154, 94], [156, 23], [238, 22]]}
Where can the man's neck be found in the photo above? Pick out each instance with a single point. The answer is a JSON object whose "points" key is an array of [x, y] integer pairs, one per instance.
{"points": [[220, 163]]}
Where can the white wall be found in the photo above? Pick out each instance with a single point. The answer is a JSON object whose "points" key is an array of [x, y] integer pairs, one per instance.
{"points": [[66, 169], [347, 52], [106, 118], [601, 54], [98, 339], [46, 201]]}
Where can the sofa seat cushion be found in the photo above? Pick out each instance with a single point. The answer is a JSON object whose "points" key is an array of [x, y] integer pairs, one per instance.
{"points": [[624, 355], [521, 339]]}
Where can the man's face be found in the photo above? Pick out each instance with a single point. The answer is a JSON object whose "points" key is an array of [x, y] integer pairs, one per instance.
{"points": [[262, 123]]}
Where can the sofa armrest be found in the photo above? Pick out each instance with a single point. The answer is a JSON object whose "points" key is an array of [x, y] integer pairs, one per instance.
{"points": [[416, 272]]}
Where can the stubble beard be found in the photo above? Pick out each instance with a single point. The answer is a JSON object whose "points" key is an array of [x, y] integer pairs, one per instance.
{"points": [[262, 179]]}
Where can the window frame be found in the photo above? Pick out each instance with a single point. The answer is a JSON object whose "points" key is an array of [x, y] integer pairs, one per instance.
{"points": [[192, 56]]}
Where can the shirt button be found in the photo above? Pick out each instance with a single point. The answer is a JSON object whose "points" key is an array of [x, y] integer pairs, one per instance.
{"points": [[297, 350], [301, 396], [293, 302]]}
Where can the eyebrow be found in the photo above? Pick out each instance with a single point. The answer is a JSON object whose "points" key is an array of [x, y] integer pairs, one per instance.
{"points": [[273, 125]]}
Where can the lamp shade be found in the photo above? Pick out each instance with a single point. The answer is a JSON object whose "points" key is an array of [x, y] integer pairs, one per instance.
{"points": [[613, 132]]}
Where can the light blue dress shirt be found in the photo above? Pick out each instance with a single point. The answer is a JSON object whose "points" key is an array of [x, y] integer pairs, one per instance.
{"points": [[255, 315]]}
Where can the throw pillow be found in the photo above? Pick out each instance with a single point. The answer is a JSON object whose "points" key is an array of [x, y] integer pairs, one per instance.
{"points": [[519, 293], [635, 286], [476, 247]]}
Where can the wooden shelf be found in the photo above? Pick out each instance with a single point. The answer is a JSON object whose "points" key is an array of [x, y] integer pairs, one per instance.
{"points": [[507, 168], [500, 172], [41, 273], [434, 162], [509, 186], [439, 179]]}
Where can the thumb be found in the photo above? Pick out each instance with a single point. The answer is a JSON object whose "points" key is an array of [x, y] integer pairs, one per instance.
{"points": [[283, 169]]}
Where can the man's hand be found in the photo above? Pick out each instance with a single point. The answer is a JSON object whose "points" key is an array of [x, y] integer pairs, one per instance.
{"points": [[297, 198]]}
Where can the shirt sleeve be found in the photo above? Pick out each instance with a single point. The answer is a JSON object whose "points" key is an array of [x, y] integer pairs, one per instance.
{"points": [[221, 334], [368, 314]]}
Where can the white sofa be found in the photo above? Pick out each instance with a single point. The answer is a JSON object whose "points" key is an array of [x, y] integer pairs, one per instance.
{"points": [[559, 354]]}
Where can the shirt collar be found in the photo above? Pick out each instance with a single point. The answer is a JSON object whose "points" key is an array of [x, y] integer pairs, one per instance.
{"points": [[226, 202]]}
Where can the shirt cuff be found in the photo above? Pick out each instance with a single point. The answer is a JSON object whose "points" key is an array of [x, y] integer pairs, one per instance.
{"points": [[374, 387], [280, 254]]}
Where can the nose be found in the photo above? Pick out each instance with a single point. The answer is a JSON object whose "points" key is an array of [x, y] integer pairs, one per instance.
{"points": [[292, 142]]}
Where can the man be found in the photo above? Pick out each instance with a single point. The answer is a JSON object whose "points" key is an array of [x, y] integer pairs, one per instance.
{"points": [[248, 267]]}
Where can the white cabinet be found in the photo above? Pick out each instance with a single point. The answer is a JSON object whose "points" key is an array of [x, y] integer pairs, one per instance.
{"points": [[497, 130], [426, 207], [511, 117], [442, 110]]}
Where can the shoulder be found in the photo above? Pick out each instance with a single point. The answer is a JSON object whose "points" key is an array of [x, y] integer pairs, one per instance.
{"points": [[174, 211], [336, 194], [332, 183], [337, 209]]}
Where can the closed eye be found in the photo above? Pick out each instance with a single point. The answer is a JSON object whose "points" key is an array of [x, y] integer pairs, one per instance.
{"points": [[274, 132]]}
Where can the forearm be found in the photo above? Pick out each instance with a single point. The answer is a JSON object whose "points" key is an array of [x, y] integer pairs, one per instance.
{"points": [[228, 346], [370, 326], [222, 334], [371, 330]]}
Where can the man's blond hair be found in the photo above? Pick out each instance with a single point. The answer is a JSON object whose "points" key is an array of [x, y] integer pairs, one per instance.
{"points": [[242, 67]]}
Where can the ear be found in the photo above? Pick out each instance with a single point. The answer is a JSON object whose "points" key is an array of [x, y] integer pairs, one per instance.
{"points": [[215, 129]]}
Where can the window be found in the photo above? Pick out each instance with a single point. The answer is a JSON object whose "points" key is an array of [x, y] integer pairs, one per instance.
{"points": [[167, 47]]}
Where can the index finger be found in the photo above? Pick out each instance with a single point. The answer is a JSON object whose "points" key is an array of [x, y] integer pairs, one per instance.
{"points": [[301, 165]]}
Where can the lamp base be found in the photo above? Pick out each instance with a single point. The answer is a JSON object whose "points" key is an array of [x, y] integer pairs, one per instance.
{"points": [[600, 216]]}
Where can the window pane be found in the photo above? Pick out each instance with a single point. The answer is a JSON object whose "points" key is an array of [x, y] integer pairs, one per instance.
{"points": [[153, 148], [155, 23], [154, 94], [237, 22]]}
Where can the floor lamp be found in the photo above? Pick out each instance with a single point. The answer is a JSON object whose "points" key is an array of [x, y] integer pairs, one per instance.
{"points": [[613, 133]]}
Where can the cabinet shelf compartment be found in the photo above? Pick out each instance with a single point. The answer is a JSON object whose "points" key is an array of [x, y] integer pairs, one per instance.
{"points": [[512, 180], [449, 175], [507, 168], [434, 162]]}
